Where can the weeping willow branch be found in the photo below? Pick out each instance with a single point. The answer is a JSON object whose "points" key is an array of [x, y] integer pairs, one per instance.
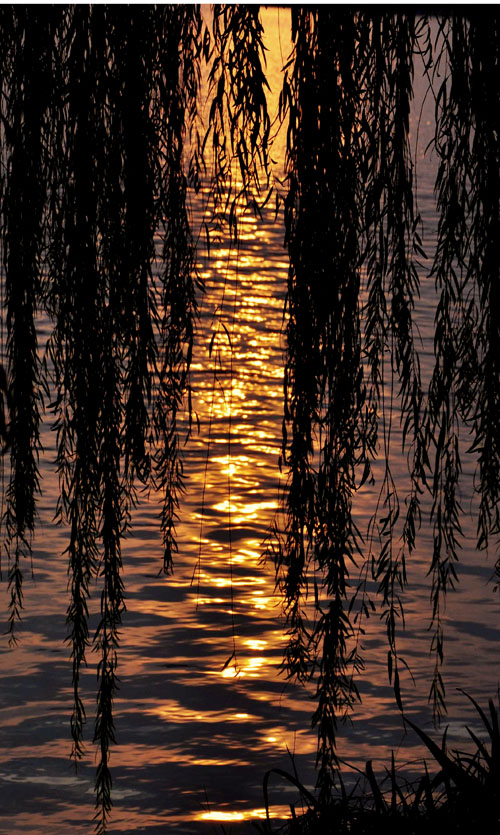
{"points": [[350, 214], [98, 105], [484, 201], [176, 108], [238, 121], [451, 371], [27, 64], [324, 389], [464, 387], [392, 243]]}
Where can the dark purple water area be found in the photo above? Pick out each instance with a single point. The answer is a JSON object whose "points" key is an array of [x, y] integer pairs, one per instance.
{"points": [[203, 711]]}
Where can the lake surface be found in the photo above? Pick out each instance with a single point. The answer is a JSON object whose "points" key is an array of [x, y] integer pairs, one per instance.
{"points": [[196, 734]]}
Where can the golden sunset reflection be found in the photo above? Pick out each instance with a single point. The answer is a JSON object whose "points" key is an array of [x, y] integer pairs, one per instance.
{"points": [[224, 816], [260, 601], [256, 644], [134, 756], [244, 512], [238, 373], [226, 582], [246, 667], [172, 711]]}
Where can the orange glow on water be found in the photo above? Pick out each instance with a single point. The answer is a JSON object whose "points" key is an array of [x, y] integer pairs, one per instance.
{"points": [[223, 816]]}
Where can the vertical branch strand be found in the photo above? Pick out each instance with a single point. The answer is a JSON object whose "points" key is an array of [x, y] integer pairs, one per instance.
{"points": [[75, 300], [239, 124], [483, 263], [455, 359], [28, 41], [177, 92], [324, 391], [467, 338], [392, 242]]}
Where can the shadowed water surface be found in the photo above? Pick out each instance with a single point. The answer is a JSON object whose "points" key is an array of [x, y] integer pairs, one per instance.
{"points": [[202, 711]]}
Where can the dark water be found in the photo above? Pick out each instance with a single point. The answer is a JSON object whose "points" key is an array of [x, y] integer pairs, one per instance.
{"points": [[195, 735]]}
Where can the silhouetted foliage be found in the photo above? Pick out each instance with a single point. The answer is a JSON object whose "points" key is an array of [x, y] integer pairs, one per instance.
{"points": [[353, 235], [101, 147], [461, 796], [98, 102]]}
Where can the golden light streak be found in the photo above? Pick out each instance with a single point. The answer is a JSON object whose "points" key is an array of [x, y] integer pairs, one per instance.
{"points": [[223, 816]]}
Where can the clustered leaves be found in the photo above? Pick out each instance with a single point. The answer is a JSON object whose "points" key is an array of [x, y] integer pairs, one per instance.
{"points": [[238, 128], [464, 386], [461, 796], [97, 104], [101, 147], [324, 395], [352, 366]]}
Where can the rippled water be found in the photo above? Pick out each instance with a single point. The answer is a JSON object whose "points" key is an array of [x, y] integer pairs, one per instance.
{"points": [[202, 712]]}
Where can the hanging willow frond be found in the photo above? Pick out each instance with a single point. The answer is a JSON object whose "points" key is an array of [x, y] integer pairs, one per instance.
{"points": [[27, 49], [238, 122], [484, 202], [453, 134], [178, 55], [465, 383], [324, 388], [111, 178], [392, 243], [350, 210]]}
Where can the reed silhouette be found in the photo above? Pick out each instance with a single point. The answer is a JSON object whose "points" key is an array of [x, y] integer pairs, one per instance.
{"points": [[101, 146], [461, 795]]}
